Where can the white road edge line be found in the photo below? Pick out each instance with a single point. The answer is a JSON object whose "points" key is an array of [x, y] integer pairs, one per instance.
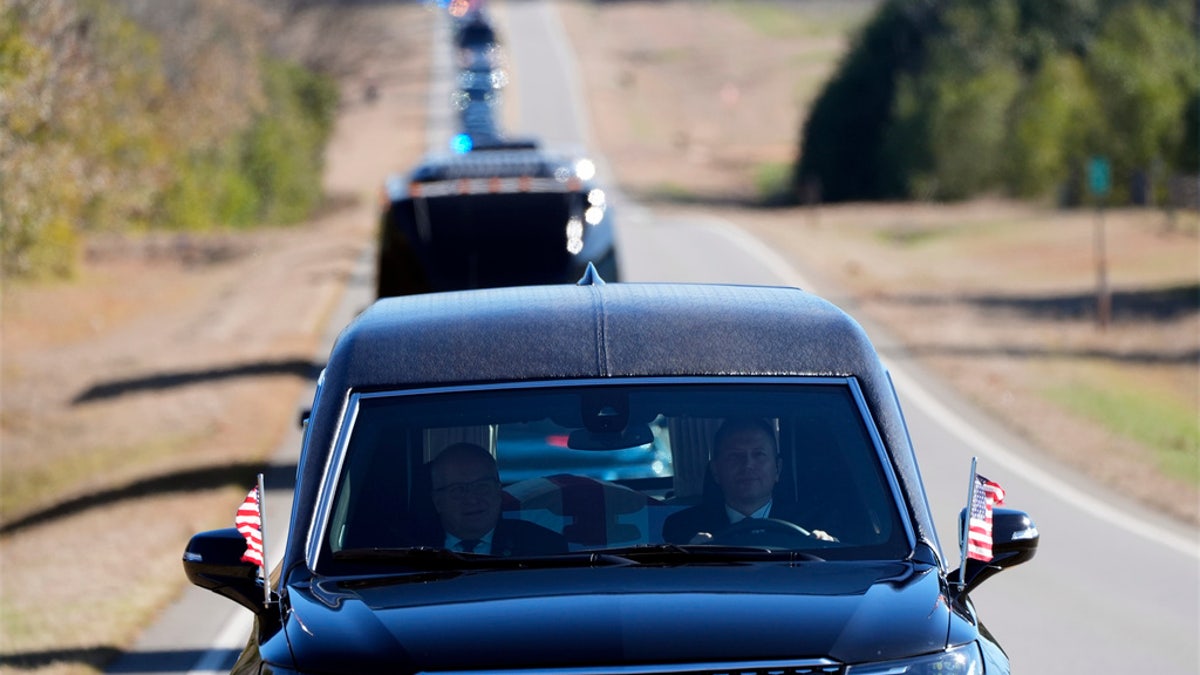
{"points": [[232, 636], [956, 425]]}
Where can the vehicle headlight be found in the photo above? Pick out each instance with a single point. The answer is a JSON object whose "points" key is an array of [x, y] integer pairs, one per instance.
{"points": [[962, 660], [585, 169]]}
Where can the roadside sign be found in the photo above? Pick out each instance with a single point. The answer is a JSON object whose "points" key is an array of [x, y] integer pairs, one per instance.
{"points": [[1100, 181], [1099, 176]]}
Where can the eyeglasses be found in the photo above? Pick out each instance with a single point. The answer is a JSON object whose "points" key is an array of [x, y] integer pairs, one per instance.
{"points": [[754, 457], [477, 488]]}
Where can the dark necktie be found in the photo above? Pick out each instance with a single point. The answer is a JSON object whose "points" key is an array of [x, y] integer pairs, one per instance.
{"points": [[469, 545]]}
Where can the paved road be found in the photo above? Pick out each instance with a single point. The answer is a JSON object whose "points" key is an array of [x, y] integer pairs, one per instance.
{"points": [[1114, 589]]}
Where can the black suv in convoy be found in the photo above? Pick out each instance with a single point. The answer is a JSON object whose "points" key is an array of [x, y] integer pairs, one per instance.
{"points": [[492, 211], [502, 214]]}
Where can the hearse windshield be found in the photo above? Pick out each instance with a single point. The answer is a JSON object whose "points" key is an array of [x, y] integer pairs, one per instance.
{"points": [[553, 471]]}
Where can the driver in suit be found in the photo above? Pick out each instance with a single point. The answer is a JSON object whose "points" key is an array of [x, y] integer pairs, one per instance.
{"points": [[746, 467], [467, 498]]}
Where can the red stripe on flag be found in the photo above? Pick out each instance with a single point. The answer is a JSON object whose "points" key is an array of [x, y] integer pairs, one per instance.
{"points": [[249, 524]]}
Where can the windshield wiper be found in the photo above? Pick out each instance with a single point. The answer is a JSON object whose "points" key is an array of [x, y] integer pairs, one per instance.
{"points": [[429, 558], [423, 555], [440, 558], [689, 553]]}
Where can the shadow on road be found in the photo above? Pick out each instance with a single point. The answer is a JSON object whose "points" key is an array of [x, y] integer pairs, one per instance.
{"points": [[118, 661], [297, 367], [192, 480], [1148, 304], [1129, 308], [1141, 357], [91, 656]]}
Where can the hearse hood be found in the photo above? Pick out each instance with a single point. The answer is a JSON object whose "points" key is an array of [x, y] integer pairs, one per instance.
{"points": [[566, 618]]}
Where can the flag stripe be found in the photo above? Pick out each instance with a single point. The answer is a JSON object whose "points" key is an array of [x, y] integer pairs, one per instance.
{"points": [[249, 523], [979, 532]]}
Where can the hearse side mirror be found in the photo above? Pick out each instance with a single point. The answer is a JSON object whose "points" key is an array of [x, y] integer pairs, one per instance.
{"points": [[1014, 541], [213, 560]]}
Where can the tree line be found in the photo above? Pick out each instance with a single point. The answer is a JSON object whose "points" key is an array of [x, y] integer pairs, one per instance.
{"points": [[137, 115], [945, 99]]}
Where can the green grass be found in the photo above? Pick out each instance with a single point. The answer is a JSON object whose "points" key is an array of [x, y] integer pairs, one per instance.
{"points": [[1165, 425], [672, 192], [773, 182], [979, 233]]}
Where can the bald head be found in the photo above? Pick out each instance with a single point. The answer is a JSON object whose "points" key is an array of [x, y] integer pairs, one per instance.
{"points": [[466, 490]]}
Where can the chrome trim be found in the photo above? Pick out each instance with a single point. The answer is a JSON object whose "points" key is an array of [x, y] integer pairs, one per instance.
{"points": [[1027, 533], [305, 449], [936, 544], [331, 472], [885, 460], [615, 381], [799, 667]]}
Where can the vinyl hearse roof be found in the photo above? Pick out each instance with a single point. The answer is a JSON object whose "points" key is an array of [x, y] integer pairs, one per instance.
{"points": [[595, 330], [598, 330]]}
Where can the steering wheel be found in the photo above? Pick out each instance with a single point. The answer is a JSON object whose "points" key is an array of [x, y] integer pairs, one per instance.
{"points": [[767, 532]]}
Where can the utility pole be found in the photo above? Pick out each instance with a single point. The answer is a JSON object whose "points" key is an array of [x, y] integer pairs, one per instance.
{"points": [[1100, 181]]}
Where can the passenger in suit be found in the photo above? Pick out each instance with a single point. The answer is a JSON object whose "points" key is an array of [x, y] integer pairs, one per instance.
{"points": [[746, 467], [466, 496]]}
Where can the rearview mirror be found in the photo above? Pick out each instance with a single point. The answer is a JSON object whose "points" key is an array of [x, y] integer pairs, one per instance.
{"points": [[633, 436]]}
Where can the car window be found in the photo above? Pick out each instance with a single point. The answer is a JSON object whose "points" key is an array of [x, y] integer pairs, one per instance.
{"points": [[616, 466]]}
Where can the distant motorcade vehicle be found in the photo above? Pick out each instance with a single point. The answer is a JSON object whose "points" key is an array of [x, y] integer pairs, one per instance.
{"points": [[474, 32], [477, 95], [478, 126], [480, 69], [500, 213], [493, 211], [478, 92], [500, 408]]}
